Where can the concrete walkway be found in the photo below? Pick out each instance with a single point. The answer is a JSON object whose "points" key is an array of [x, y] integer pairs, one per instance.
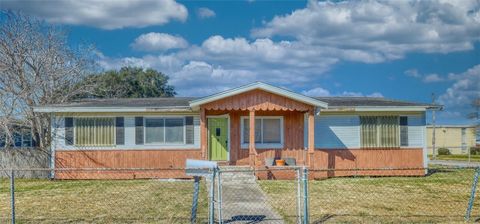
{"points": [[246, 203], [454, 163]]}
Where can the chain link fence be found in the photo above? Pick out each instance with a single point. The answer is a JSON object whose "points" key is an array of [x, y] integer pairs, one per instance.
{"points": [[100, 196], [240, 195]]}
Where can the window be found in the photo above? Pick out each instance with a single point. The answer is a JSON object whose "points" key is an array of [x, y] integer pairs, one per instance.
{"points": [[165, 130], [464, 140], [20, 138], [268, 131], [94, 131], [379, 131], [403, 131]]}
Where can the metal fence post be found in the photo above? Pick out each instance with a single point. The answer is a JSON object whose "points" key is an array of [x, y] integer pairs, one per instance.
{"points": [[196, 188], [305, 196], [219, 197], [472, 194], [299, 196], [12, 194], [211, 212]]}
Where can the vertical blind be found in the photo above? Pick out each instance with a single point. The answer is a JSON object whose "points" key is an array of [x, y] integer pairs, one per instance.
{"points": [[94, 131], [379, 131]]}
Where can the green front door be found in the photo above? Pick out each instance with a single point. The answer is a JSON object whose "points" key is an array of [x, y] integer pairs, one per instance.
{"points": [[218, 138]]}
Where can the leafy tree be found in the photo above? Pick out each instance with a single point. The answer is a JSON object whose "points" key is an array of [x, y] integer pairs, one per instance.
{"points": [[128, 82]]}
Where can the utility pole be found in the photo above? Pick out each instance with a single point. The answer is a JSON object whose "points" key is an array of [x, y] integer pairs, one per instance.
{"points": [[433, 129]]}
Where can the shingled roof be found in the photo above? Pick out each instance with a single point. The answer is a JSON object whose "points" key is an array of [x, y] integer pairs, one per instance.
{"points": [[368, 102], [175, 102]]}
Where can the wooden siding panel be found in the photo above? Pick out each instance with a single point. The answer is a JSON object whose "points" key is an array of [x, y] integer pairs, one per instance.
{"points": [[394, 159], [257, 100], [164, 163]]}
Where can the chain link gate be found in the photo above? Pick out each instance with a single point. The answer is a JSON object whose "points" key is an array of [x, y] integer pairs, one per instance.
{"points": [[242, 194]]}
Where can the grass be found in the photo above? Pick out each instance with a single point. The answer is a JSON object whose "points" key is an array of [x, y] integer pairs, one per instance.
{"points": [[440, 197], [101, 201], [473, 158]]}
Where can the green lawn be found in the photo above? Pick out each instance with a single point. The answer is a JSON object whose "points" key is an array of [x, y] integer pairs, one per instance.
{"points": [[439, 197], [101, 201], [473, 158]]}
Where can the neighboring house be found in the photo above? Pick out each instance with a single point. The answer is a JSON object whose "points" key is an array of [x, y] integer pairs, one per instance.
{"points": [[19, 136], [457, 138], [318, 132]]}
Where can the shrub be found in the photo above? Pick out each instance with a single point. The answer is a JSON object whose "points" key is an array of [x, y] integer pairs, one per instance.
{"points": [[475, 150], [444, 151]]}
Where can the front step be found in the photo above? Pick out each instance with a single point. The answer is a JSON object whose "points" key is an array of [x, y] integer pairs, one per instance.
{"points": [[236, 174]]}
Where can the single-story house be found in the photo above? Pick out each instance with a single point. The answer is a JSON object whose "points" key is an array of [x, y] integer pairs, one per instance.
{"points": [[458, 139], [161, 133]]}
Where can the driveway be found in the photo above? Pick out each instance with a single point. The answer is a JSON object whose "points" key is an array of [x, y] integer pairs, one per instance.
{"points": [[454, 163]]}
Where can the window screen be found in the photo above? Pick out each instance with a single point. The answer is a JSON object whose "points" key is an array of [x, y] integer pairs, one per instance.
{"points": [[379, 131], [94, 131], [403, 131]]}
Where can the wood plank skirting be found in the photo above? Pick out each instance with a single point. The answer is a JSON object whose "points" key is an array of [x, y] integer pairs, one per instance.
{"points": [[155, 163], [400, 161], [170, 163]]}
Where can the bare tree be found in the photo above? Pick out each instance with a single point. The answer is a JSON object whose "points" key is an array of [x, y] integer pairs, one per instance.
{"points": [[37, 67]]}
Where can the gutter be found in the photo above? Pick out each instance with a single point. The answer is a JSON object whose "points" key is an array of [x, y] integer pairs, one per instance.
{"points": [[112, 109]]}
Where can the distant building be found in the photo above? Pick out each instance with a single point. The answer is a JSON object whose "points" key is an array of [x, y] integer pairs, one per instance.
{"points": [[457, 138]]}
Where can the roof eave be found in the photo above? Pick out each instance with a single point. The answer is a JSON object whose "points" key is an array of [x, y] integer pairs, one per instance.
{"points": [[377, 108], [109, 109]]}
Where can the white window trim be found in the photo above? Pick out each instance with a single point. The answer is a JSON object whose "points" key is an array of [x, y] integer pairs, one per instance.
{"points": [[96, 146], [262, 145], [164, 143]]}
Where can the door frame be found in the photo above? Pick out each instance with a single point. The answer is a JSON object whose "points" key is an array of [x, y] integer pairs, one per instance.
{"points": [[228, 134]]}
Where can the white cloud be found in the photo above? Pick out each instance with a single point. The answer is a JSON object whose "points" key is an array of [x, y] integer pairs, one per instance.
{"points": [[432, 78], [381, 30], [103, 14], [413, 73], [459, 96], [296, 49], [204, 13], [158, 42], [428, 78], [318, 91]]}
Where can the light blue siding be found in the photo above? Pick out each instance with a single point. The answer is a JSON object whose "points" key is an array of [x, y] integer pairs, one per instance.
{"points": [[416, 131], [337, 131], [58, 133]]}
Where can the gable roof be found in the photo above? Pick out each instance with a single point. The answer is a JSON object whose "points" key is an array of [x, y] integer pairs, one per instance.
{"points": [[187, 104], [261, 86]]}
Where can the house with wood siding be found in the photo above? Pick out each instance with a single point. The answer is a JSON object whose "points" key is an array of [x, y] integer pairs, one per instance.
{"points": [[161, 133]]}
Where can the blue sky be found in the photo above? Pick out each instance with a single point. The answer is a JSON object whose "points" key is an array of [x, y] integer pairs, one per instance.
{"points": [[396, 49]]}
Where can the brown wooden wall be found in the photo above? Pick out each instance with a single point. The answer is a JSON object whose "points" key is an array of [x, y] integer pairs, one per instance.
{"points": [[159, 163], [396, 159], [257, 100], [293, 137]]}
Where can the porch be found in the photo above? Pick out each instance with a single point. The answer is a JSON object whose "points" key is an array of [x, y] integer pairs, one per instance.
{"points": [[280, 126]]}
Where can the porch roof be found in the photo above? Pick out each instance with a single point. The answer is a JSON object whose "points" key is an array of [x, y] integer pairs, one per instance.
{"points": [[195, 104]]}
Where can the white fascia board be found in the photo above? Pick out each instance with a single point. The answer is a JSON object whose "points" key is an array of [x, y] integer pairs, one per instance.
{"points": [[378, 108], [110, 109], [262, 86]]}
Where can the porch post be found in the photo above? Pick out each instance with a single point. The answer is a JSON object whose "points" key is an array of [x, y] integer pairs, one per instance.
{"points": [[251, 146], [311, 137], [203, 133]]}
